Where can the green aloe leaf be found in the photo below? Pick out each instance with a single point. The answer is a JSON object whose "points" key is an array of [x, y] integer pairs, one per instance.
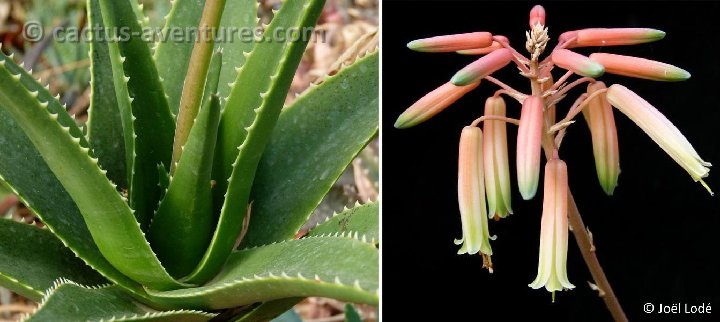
{"points": [[119, 82], [152, 123], [23, 168], [272, 61], [315, 140], [105, 129], [68, 301], [238, 25], [108, 217], [361, 219], [183, 225], [213, 77], [31, 259], [265, 82], [351, 315], [339, 267], [172, 57]]}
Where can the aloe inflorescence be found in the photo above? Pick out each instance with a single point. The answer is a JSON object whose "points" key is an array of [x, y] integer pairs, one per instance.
{"points": [[484, 185]]}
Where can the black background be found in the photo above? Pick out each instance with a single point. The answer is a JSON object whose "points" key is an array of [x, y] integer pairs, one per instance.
{"points": [[657, 237]]}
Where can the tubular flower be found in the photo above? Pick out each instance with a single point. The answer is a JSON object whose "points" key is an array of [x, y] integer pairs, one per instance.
{"points": [[495, 153], [577, 63], [593, 37], [481, 51], [640, 67], [599, 117], [450, 43], [552, 270], [482, 67], [528, 146], [471, 194], [432, 103], [659, 128]]}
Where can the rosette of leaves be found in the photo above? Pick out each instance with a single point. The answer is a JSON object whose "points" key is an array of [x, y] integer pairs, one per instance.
{"points": [[156, 217]]}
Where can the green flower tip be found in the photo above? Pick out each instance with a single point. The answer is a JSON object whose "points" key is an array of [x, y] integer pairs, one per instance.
{"points": [[594, 70], [462, 78], [404, 122], [415, 45]]}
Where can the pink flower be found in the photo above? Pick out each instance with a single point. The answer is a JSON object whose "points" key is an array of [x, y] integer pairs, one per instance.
{"points": [[599, 117], [451, 43], [640, 67], [577, 63], [482, 67], [537, 16], [471, 194], [552, 265], [660, 129], [528, 146], [432, 103], [611, 36], [495, 153]]}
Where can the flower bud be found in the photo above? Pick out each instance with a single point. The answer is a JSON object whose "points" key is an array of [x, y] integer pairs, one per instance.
{"points": [[599, 117], [537, 16], [593, 37], [640, 67], [450, 43], [497, 166], [577, 63], [432, 103], [529, 146], [482, 67]]}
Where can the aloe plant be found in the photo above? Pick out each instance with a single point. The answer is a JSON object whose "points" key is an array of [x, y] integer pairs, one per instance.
{"points": [[158, 217]]}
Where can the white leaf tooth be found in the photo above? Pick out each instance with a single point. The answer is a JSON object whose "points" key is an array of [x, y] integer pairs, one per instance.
{"points": [[337, 281], [356, 284], [317, 278]]}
